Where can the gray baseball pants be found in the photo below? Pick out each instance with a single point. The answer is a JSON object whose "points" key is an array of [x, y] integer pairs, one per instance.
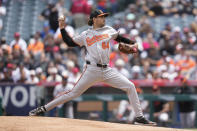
{"points": [[93, 74]]}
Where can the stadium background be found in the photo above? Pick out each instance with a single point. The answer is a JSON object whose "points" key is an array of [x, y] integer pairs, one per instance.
{"points": [[165, 30]]}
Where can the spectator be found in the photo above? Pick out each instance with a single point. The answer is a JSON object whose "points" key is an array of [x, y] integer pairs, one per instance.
{"points": [[80, 10], [29, 61], [32, 79], [18, 55], [136, 73], [180, 53], [5, 47], [73, 56], [50, 14], [144, 60], [36, 46], [167, 45], [80, 6], [74, 76], [170, 71], [7, 75], [135, 60], [167, 30], [145, 26], [161, 108], [186, 65], [165, 41], [23, 77], [61, 9], [53, 75], [150, 42], [131, 22], [18, 43], [153, 56], [164, 59], [70, 65], [58, 63], [40, 74], [187, 111], [20, 74], [114, 6], [177, 35], [102, 5], [120, 67], [174, 8], [132, 9], [46, 31], [157, 8], [135, 36], [63, 87], [193, 27], [186, 7], [50, 47], [2, 10], [117, 24]]}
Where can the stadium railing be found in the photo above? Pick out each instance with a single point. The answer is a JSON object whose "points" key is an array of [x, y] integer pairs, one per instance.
{"points": [[150, 97]]}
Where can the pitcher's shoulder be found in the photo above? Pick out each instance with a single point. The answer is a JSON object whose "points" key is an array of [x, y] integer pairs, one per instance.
{"points": [[84, 33], [108, 27]]}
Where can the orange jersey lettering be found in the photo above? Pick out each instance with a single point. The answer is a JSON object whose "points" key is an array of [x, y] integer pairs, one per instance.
{"points": [[96, 38]]}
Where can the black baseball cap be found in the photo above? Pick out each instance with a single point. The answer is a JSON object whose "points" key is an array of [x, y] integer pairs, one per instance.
{"points": [[96, 13]]}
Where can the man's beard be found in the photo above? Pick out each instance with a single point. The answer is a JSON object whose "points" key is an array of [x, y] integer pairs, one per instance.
{"points": [[102, 25]]}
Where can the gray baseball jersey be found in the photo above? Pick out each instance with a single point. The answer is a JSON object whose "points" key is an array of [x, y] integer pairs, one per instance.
{"points": [[97, 43]]}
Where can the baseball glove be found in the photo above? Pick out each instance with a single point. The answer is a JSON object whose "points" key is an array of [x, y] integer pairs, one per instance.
{"points": [[128, 49]]}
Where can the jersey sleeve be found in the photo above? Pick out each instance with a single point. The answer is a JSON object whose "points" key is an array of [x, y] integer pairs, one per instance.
{"points": [[112, 32], [79, 39]]}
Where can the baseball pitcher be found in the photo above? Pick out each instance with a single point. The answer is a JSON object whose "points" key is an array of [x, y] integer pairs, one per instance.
{"points": [[97, 42]]}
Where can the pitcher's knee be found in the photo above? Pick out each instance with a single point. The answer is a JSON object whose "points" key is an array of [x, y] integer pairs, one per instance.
{"points": [[124, 103]]}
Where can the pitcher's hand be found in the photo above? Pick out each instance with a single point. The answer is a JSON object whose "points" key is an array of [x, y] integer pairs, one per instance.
{"points": [[61, 21]]}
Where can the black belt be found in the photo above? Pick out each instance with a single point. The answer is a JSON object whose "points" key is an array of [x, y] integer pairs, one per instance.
{"points": [[98, 65]]}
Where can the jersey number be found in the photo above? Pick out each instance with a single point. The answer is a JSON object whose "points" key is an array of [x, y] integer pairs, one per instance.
{"points": [[105, 45]]}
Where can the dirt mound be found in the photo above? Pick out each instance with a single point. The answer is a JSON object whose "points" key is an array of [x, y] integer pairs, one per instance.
{"points": [[15, 123]]}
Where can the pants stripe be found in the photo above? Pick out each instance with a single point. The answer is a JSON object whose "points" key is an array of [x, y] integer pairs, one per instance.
{"points": [[66, 92]]}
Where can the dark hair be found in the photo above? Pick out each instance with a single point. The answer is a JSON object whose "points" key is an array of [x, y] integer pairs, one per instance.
{"points": [[90, 22]]}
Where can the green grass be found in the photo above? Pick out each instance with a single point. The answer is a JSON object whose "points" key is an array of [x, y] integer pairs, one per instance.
{"points": [[193, 129]]}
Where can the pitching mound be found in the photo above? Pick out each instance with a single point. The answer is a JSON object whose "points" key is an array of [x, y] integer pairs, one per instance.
{"points": [[16, 123]]}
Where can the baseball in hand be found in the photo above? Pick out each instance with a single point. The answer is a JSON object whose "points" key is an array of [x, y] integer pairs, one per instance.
{"points": [[62, 17], [61, 20]]}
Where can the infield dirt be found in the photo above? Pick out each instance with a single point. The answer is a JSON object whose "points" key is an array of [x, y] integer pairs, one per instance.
{"points": [[17, 123]]}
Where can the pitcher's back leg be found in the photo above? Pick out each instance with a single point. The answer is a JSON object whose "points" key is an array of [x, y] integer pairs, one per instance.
{"points": [[87, 79]]}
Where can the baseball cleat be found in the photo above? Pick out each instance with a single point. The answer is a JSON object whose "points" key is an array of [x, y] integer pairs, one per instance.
{"points": [[38, 111], [143, 121]]}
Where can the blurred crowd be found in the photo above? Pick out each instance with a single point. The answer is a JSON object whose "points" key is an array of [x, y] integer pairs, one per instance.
{"points": [[171, 55]]}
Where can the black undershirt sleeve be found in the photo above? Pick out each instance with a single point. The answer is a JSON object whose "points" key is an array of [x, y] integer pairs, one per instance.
{"points": [[67, 39], [124, 40]]}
